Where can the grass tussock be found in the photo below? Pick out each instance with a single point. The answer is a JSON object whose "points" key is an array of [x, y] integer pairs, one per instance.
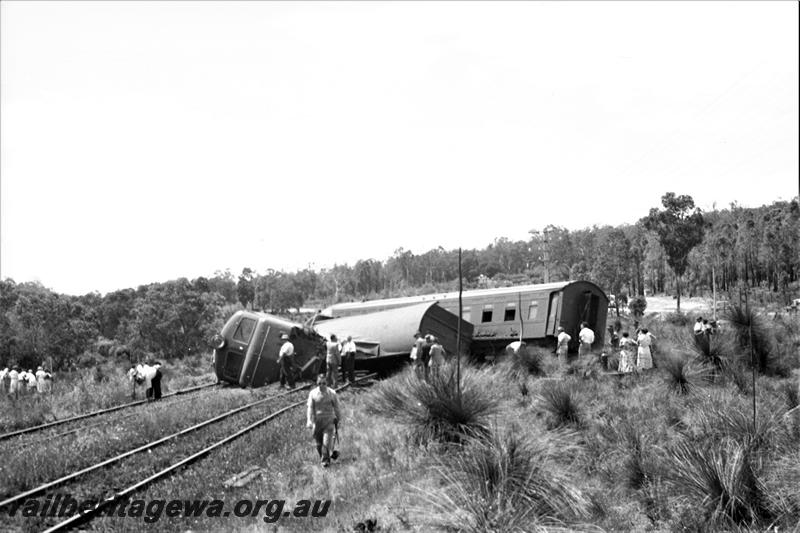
{"points": [[713, 351], [531, 361], [511, 481], [680, 376], [719, 477], [720, 422], [560, 400], [434, 410], [753, 335]]}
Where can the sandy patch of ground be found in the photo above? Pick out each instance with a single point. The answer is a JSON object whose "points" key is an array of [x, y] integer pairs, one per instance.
{"points": [[668, 304]]}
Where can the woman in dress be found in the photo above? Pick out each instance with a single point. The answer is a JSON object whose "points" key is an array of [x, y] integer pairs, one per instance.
{"points": [[627, 347], [644, 359]]}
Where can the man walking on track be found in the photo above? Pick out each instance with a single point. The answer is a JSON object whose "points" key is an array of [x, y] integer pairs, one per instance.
{"points": [[323, 417]]}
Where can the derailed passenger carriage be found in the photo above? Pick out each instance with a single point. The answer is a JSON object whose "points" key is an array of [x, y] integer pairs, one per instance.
{"points": [[390, 333], [503, 315], [246, 352]]}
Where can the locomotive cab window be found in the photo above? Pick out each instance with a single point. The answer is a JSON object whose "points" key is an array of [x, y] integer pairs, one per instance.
{"points": [[244, 330], [511, 313], [486, 316]]}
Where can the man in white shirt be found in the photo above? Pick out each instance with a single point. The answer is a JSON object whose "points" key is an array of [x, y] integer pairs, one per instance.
{"points": [[30, 378], [349, 359], [322, 416], [40, 386], [586, 337], [148, 372], [286, 361]]}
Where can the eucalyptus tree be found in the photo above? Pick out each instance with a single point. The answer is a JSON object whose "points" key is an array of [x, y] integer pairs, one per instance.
{"points": [[680, 228]]}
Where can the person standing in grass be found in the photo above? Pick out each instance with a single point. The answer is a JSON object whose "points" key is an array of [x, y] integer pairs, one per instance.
{"points": [[13, 383], [322, 417], [437, 355], [425, 355], [4, 379], [156, 381], [286, 361], [349, 360], [562, 346], [416, 353], [30, 380], [332, 361], [644, 359], [627, 353], [40, 373], [586, 336]]}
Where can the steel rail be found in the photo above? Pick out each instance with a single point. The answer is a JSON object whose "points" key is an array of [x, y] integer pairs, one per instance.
{"points": [[99, 412], [23, 444], [69, 477], [86, 515]]}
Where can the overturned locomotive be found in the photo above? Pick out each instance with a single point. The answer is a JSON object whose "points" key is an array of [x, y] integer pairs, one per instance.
{"points": [[246, 351]]}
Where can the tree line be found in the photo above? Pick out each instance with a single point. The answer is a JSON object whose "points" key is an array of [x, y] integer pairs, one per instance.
{"points": [[676, 249]]}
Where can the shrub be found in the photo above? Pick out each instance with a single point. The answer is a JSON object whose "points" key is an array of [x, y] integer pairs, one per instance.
{"points": [[432, 409], [637, 306], [506, 482], [678, 319]]}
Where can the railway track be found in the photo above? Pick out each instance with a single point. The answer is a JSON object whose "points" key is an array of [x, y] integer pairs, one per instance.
{"points": [[111, 483], [54, 423]]}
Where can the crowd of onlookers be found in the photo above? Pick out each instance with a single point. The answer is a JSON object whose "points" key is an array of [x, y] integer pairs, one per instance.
{"points": [[15, 382], [635, 352]]}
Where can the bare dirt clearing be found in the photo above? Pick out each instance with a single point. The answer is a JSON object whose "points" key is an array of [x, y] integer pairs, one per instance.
{"points": [[668, 304]]}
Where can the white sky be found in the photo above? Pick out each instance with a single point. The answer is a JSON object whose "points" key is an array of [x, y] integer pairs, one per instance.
{"points": [[146, 141]]}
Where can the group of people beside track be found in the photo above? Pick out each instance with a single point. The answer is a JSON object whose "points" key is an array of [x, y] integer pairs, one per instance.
{"points": [[148, 374], [427, 354], [15, 382], [339, 356], [634, 354]]}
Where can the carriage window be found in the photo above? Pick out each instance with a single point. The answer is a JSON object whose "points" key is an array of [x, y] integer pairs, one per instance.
{"points": [[511, 312], [465, 314], [486, 316], [533, 309], [244, 330]]}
